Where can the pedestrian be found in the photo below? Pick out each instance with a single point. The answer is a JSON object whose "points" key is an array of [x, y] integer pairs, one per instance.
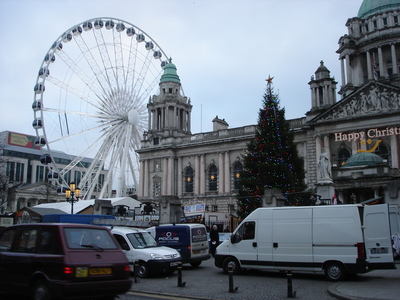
{"points": [[214, 238]]}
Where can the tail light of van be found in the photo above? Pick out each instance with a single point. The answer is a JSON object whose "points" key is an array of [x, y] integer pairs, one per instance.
{"points": [[361, 250], [127, 269]]}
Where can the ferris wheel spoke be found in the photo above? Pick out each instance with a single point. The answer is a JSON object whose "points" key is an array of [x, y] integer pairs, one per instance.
{"points": [[131, 67], [77, 70], [92, 62], [119, 65], [71, 90], [109, 71]]}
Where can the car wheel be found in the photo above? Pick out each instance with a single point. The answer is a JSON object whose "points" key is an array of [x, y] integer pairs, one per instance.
{"points": [[195, 264], [335, 271], [232, 263], [41, 291], [143, 271]]}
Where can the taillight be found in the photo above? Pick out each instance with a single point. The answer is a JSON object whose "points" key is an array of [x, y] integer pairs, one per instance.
{"points": [[361, 250], [127, 268], [69, 270]]}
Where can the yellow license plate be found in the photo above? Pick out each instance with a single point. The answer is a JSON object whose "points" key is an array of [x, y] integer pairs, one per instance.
{"points": [[196, 251], [81, 272], [100, 271]]}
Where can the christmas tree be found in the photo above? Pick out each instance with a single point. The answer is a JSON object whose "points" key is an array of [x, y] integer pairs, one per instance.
{"points": [[271, 160]]}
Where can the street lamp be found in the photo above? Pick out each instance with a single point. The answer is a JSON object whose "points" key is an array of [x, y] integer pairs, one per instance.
{"points": [[72, 194]]}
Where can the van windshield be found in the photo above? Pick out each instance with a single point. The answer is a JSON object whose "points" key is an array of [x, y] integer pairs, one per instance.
{"points": [[87, 238], [142, 240]]}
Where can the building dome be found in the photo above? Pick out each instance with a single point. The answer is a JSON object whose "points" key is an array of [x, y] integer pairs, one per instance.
{"points": [[170, 74], [363, 159], [371, 7]]}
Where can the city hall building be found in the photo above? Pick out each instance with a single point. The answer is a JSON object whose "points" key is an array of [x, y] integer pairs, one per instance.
{"points": [[350, 147]]}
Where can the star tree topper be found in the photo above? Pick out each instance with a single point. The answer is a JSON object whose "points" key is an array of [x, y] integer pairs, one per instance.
{"points": [[269, 79]]}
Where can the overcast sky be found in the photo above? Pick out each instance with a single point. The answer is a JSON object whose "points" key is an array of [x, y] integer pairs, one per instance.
{"points": [[223, 50]]}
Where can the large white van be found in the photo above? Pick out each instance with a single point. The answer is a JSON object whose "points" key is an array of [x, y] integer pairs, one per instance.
{"points": [[140, 246], [336, 239]]}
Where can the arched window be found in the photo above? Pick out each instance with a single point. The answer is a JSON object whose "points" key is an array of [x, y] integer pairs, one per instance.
{"points": [[189, 180], [343, 155], [212, 178], [237, 169], [382, 151]]}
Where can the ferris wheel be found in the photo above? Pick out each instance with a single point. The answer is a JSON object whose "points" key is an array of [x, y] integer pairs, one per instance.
{"points": [[90, 102]]}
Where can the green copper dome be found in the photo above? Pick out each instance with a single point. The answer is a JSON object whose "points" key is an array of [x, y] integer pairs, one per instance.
{"points": [[363, 159], [371, 7], [170, 74]]}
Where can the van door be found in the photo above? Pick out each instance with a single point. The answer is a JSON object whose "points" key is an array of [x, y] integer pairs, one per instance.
{"points": [[246, 249], [377, 237], [292, 238]]}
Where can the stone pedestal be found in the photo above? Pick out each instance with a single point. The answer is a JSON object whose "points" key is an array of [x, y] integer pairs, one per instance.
{"points": [[170, 210], [326, 191]]}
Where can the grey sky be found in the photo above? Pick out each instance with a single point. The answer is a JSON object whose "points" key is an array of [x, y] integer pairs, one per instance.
{"points": [[223, 50]]}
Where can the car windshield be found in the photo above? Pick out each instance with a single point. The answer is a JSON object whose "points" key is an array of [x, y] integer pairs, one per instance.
{"points": [[89, 238], [142, 240]]}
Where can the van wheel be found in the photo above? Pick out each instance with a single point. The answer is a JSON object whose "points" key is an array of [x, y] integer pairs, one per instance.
{"points": [[41, 291], [143, 271], [231, 262], [335, 271], [195, 264]]}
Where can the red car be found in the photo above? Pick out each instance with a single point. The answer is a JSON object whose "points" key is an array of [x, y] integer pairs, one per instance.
{"points": [[63, 261]]}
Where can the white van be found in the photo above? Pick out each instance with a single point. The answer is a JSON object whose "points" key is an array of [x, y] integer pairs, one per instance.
{"points": [[139, 245], [336, 239]]}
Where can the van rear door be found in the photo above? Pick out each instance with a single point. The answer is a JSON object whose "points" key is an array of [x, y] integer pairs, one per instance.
{"points": [[377, 237]]}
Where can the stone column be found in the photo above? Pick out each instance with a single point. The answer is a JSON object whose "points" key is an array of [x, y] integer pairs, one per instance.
{"points": [[202, 176], [140, 191], [369, 66], [394, 151], [180, 178], [318, 147], [394, 59], [381, 66], [348, 69], [197, 175], [170, 179], [221, 175], [164, 189], [227, 174], [146, 179], [342, 71]]}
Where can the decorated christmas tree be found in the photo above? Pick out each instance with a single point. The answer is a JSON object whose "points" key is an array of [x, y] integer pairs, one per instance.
{"points": [[271, 160]]}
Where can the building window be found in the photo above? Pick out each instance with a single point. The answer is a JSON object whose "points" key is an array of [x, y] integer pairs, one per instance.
{"points": [[15, 171], [237, 170], [214, 208], [396, 20], [189, 180], [157, 186], [212, 178], [375, 24], [40, 174], [343, 155], [382, 151]]}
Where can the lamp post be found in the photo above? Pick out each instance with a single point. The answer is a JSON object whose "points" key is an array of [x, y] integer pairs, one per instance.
{"points": [[72, 194]]}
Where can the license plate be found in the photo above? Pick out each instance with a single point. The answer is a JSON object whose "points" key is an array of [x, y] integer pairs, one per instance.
{"points": [[174, 263], [379, 250], [81, 272], [100, 271], [196, 251]]}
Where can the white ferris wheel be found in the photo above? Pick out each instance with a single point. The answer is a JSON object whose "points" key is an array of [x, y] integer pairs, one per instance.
{"points": [[90, 101]]}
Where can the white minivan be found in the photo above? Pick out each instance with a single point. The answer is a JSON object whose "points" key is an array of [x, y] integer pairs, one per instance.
{"points": [[335, 239], [140, 246]]}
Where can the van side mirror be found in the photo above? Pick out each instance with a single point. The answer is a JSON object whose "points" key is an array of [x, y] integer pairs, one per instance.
{"points": [[235, 238]]}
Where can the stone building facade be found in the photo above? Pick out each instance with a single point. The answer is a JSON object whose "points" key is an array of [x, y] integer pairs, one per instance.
{"points": [[350, 147]]}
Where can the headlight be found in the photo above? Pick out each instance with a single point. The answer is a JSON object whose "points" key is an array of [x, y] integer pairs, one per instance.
{"points": [[156, 256]]}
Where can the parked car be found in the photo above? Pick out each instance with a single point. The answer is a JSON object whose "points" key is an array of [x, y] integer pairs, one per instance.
{"points": [[139, 245], [63, 261]]}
